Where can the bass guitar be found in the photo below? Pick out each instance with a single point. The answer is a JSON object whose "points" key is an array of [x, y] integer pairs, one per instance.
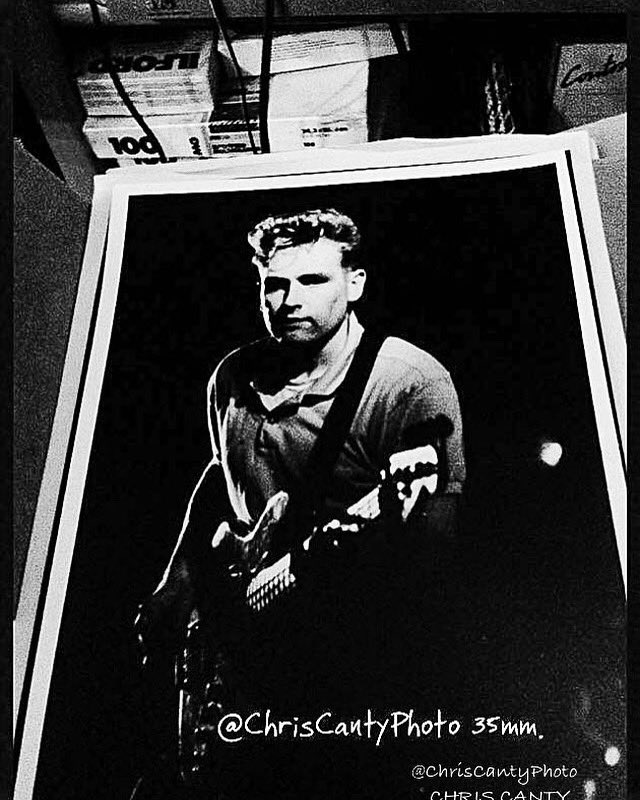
{"points": [[261, 578]]}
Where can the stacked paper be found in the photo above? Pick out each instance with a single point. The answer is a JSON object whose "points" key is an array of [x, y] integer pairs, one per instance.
{"points": [[318, 93], [172, 76], [292, 52], [318, 98], [315, 108], [320, 107], [121, 137]]}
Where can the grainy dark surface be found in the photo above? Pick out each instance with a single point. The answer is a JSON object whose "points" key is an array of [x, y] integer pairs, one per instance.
{"points": [[50, 229], [294, 8]]}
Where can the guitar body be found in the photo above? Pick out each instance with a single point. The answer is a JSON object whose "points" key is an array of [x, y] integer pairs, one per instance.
{"points": [[272, 605]]}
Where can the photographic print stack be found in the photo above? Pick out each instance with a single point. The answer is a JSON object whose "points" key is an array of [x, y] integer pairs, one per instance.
{"points": [[451, 232]]}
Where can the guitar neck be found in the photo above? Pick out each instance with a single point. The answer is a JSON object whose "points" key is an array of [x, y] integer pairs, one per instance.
{"points": [[277, 579]]}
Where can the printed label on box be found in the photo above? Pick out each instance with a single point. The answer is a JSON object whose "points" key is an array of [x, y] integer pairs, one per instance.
{"points": [[160, 77], [309, 49], [201, 138], [591, 83]]}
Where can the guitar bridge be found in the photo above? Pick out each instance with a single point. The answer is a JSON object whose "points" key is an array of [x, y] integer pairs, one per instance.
{"points": [[270, 583]]}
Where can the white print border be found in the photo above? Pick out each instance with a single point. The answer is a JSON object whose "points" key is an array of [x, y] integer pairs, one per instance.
{"points": [[34, 572], [385, 153]]}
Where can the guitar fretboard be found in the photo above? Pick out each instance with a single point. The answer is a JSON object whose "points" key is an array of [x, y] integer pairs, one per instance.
{"points": [[277, 579], [269, 583]]}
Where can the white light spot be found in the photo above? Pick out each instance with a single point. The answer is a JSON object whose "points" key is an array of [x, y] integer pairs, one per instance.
{"points": [[612, 756], [589, 789], [550, 453]]}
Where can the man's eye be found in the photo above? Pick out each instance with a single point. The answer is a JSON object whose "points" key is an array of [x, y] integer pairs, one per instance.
{"points": [[274, 285], [312, 280]]}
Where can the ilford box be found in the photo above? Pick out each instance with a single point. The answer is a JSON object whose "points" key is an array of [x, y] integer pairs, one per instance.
{"points": [[192, 138], [170, 76]]}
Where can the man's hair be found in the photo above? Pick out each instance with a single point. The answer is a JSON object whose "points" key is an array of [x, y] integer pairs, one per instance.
{"points": [[306, 227]]}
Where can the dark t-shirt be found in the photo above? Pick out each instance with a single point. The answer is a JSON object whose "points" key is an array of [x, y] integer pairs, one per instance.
{"points": [[264, 450]]}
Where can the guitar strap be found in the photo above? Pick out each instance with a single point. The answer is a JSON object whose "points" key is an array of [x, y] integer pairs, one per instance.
{"points": [[318, 471]]}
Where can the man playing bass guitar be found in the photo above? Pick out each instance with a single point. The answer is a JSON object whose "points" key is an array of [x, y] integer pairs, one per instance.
{"points": [[268, 403]]}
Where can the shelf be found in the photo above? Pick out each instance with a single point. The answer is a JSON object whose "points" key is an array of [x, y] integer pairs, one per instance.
{"points": [[418, 8], [43, 71], [198, 12]]}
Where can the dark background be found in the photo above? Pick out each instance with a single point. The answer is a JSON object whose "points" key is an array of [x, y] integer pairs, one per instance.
{"points": [[474, 269]]}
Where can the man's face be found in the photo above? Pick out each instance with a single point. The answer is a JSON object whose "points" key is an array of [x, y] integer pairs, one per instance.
{"points": [[305, 292]]}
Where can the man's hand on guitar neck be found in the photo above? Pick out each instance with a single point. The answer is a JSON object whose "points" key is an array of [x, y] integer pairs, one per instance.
{"points": [[236, 543]]}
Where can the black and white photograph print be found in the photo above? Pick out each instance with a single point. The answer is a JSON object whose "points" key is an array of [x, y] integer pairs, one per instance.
{"points": [[345, 506]]}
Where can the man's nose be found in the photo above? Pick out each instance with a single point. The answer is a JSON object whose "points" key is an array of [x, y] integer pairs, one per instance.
{"points": [[294, 296]]}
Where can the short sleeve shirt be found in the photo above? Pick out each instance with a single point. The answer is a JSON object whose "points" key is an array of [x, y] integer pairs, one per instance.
{"points": [[263, 441]]}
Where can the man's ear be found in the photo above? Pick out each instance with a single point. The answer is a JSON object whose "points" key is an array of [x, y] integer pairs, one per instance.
{"points": [[356, 279]]}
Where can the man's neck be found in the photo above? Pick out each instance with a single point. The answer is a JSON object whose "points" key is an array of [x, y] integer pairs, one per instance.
{"points": [[333, 347], [300, 362]]}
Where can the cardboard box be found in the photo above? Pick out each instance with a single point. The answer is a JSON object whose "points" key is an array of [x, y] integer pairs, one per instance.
{"points": [[173, 75], [302, 50], [337, 90], [122, 137], [190, 139], [590, 84], [313, 108]]}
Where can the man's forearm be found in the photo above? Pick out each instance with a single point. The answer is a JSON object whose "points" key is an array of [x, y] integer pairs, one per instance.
{"points": [[193, 555], [164, 615]]}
